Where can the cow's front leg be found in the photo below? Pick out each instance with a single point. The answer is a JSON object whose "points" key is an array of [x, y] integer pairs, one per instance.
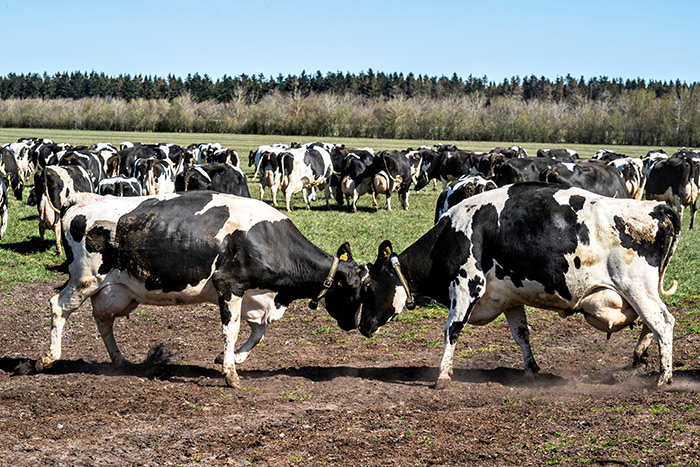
{"points": [[517, 321], [231, 324], [257, 333], [465, 291], [57, 233]]}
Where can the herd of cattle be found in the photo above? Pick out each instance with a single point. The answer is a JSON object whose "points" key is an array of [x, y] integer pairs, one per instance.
{"points": [[578, 239]]}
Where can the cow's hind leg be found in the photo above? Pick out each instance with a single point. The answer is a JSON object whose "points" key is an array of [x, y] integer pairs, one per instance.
{"points": [[63, 304], [465, 291], [108, 303], [641, 349], [660, 321], [517, 321]]}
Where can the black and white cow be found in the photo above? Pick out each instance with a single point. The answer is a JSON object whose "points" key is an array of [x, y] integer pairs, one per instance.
{"points": [[632, 172], [562, 249], [526, 169], [447, 166], [305, 168], [119, 186], [357, 175], [675, 180], [155, 176], [594, 176], [223, 178], [394, 172], [10, 171], [4, 210], [464, 187], [21, 151], [211, 248], [510, 153], [130, 154], [608, 155], [224, 156], [54, 185], [560, 154], [93, 162]]}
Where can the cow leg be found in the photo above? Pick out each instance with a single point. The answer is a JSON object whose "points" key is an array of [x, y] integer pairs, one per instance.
{"points": [[692, 216], [517, 321], [403, 196], [57, 233], [642, 347], [465, 291], [327, 193], [62, 305], [657, 318], [112, 301], [262, 190], [105, 325], [388, 202], [375, 204], [257, 333], [231, 325], [307, 198]]}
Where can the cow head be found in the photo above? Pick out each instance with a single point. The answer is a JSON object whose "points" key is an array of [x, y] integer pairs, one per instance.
{"points": [[343, 297], [384, 291]]}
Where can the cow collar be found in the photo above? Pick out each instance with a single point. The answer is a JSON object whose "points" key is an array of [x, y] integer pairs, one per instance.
{"points": [[313, 304], [410, 303]]}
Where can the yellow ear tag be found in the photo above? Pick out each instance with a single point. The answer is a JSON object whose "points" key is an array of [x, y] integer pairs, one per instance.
{"points": [[386, 253], [344, 257]]}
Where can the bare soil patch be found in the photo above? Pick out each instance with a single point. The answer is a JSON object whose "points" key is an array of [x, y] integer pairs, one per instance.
{"points": [[312, 394]]}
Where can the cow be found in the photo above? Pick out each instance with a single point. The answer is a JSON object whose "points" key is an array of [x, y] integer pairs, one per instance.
{"points": [[562, 249], [21, 151], [527, 169], [224, 156], [3, 207], [394, 172], [305, 168], [459, 190], [119, 186], [633, 175], [357, 175], [447, 166], [562, 155], [224, 178], [509, 153], [93, 162], [130, 154], [198, 152], [155, 176], [10, 171], [594, 176], [675, 181], [54, 185], [211, 247], [608, 155]]}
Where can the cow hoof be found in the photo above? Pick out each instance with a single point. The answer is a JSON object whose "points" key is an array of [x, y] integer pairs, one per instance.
{"points": [[44, 363], [233, 381], [664, 380], [442, 383], [219, 358]]}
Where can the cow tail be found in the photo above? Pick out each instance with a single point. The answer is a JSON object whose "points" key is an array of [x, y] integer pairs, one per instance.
{"points": [[676, 223]]}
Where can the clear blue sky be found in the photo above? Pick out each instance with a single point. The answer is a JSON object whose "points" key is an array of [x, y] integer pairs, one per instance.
{"points": [[498, 39]]}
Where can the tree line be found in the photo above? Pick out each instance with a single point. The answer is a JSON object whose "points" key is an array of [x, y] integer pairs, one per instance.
{"points": [[78, 85], [372, 105]]}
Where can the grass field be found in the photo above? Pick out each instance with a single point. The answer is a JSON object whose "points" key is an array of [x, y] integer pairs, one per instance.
{"points": [[24, 258]]}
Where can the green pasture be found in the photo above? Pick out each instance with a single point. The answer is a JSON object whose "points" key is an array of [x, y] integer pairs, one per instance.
{"points": [[23, 257]]}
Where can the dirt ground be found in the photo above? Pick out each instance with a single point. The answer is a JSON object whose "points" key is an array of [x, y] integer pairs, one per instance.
{"points": [[312, 394]]}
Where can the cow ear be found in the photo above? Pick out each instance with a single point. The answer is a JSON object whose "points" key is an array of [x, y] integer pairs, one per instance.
{"points": [[385, 252], [344, 252]]}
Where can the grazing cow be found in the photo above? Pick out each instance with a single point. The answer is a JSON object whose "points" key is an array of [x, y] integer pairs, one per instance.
{"points": [[597, 177], [119, 186], [527, 169], [633, 175], [198, 152], [562, 249], [675, 181], [3, 207], [561, 155], [510, 153], [394, 171], [155, 176], [129, 155], [21, 151], [54, 185], [10, 171], [356, 175], [211, 247], [94, 163], [447, 166], [464, 187], [224, 156], [305, 168], [223, 178]]}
